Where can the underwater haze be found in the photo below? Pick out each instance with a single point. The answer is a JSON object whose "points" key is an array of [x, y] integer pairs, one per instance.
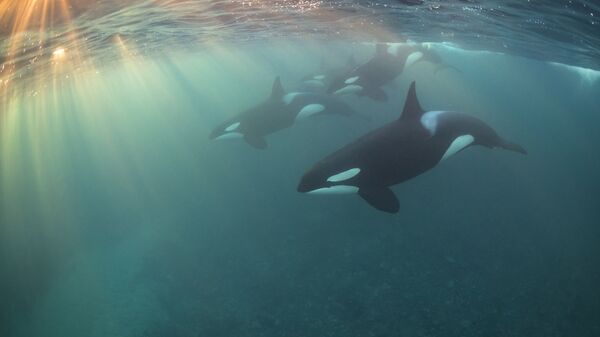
{"points": [[120, 216]]}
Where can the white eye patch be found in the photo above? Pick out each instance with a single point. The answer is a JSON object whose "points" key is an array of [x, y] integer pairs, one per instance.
{"points": [[393, 48], [314, 83], [351, 80], [344, 175], [232, 127], [288, 98], [412, 58], [349, 89]]}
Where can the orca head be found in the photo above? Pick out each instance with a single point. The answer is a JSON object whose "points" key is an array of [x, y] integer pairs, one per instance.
{"points": [[348, 84], [314, 81], [229, 130], [323, 179], [239, 126], [426, 53]]}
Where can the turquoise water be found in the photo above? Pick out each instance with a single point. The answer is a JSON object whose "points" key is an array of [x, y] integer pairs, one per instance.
{"points": [[119, 217]]}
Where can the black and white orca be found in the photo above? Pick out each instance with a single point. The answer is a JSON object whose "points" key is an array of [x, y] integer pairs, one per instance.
{"points": [[278, 112], [389, 61], [397, 152], [320, 80], [423, 52]]}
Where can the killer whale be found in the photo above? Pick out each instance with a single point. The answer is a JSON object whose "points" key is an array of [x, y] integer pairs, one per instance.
{"points": [[425, 53], [403, 149], [389, 61], [320, 80], [277, 112]]}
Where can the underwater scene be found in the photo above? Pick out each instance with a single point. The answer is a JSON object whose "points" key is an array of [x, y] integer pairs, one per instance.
{"points": [[211, 168]]}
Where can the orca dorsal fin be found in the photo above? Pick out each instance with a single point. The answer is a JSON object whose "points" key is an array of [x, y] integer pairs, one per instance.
{"points": [[277, 91], [412, 107]]}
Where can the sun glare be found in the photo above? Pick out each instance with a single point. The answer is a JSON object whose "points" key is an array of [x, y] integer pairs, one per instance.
{"points": [[58, 53], [36, 33]]}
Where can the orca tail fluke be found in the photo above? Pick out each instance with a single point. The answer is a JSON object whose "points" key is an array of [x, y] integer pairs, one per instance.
{"points": [[512, 147]]}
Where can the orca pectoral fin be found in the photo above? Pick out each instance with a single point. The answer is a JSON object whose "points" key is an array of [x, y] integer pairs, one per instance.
{"points": [[376, 93], [256, 141], [381, 198]]}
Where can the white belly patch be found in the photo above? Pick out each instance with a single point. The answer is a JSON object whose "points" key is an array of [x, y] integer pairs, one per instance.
{"points": [[230, 135], [337, 189], [344, 175]]}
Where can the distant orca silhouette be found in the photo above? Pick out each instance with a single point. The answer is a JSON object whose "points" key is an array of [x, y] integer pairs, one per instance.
{"points": [[388, 62], [320, 80], [424, 53], [278, 112], [397, 152]]}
